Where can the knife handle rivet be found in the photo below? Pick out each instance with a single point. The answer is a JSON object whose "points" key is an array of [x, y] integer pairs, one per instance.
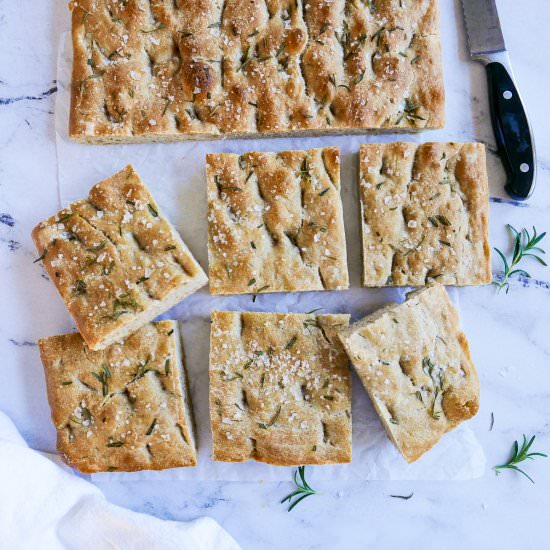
{"points": [[507, 94], [524, 167]]}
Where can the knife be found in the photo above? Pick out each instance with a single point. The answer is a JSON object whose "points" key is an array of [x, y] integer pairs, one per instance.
{"points": [[510, 123]]}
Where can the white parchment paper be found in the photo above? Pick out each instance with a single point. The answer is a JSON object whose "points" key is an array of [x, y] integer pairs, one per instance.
{"points": [[175, 175]]}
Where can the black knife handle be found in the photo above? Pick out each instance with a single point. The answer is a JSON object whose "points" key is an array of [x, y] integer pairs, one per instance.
{"points": [[512, 132]]}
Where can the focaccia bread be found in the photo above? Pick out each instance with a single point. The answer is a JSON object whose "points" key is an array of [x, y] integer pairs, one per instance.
{"points": [[115, 260], [125, 408], [147, 70], [275, 222], [414, 362], [424, 214], [280, 388]]}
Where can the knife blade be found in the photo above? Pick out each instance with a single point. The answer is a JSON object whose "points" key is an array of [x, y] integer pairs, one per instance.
{"points": [[510, 123], [483, 27]]}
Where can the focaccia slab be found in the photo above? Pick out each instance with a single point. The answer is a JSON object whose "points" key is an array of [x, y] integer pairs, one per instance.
{"points": [[125, 408], [147, 70], [414, 362], [424, 214], [116, 260], [275, 222], [280, 388]]}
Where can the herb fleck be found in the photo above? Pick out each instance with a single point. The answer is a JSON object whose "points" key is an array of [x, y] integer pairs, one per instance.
{"points": [[272, 421], [151, 427], [291, 342], [80, 287], [97, 247]]}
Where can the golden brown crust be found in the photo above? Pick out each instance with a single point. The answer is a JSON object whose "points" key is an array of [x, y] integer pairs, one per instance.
{"points": [[147, 70], [125, 408], [280, 388], [275, 222], [115, 260], [424, 214], [415, 364]]}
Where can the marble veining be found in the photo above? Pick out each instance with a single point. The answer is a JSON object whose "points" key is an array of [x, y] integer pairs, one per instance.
{"points": [[508, 332], [39, 97]]}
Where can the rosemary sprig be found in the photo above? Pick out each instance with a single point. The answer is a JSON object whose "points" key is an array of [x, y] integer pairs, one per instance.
{"points": [[409, 113], [122, 305], [437, 376], [525, 245], [103, 377], [519, 454], [303, 489], [403, 497]]}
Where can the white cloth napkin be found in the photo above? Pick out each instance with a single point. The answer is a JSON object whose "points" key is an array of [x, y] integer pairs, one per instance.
{"points": [[44, 506]]}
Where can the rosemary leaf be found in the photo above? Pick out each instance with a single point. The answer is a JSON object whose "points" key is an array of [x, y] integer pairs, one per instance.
{"points": [[151, 427], [142, 370], [41, 257], [236, 376], [97, 247], [402, 497], [65, 217], [147, 31], [272, 421], [80, 287], [291, 342]]}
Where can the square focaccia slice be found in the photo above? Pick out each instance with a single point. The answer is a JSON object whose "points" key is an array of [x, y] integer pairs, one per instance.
{"points": [[125, 408], [424, 214], [275, 222], [280, 388], [116, 260], [415, 364]]}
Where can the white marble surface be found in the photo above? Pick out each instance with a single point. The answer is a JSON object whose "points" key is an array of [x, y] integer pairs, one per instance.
{"points": [[508, 333]]}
